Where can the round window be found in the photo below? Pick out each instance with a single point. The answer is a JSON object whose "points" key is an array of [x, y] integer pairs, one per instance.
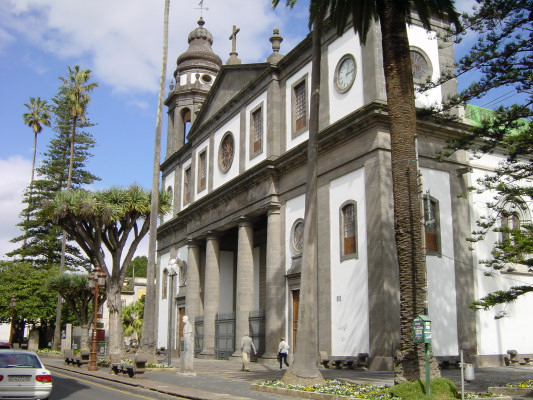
{"points": [[421, 66], [206, 78], [297, 236], [226, 152]]}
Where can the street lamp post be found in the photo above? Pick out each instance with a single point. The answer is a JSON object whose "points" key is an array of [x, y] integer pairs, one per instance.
{"points": [[13, 304], [96, 280], [172, 272]]}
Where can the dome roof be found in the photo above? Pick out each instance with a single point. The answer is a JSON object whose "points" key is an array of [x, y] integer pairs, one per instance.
{"points": [[199, 55]]}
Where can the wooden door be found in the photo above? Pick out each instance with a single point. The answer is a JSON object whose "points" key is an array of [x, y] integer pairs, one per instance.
{"points": [[295, 307]]}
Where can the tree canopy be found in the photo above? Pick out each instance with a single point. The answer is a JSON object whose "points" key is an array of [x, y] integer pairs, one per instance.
{"points": [[502, 58], [113, 220]]}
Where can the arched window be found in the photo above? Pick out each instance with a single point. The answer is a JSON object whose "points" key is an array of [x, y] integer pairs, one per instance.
{"points": [[348, 227], [432, 225], [508, 222], [186, 119]]}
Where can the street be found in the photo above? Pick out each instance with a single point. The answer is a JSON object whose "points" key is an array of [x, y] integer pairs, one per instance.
{"points": [[77, 387]]}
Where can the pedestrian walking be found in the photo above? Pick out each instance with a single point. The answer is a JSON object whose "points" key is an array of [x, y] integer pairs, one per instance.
{"points": [[283, 352], [246, 348]]}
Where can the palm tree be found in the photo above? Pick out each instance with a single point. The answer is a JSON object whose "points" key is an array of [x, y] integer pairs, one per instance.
{"points": [[393, 16], [76, 88], [38, 115], [148, 343], [303, 370]]}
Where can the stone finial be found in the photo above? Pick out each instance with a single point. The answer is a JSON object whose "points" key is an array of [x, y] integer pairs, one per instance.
{"points": [[276, 40]]}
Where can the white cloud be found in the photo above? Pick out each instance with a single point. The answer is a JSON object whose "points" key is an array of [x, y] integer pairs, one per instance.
{"points": [[15, 172], [122, 39]]}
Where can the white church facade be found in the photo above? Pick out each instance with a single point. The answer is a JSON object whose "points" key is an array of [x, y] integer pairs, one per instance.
{"points": [[236, 167]]}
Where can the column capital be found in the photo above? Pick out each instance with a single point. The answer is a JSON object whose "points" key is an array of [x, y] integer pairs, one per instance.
{"points": [[193, 243], [244, 221], [211, 235]]}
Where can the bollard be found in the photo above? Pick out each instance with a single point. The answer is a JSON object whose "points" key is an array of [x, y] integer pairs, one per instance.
{"points": [[469, 372]]}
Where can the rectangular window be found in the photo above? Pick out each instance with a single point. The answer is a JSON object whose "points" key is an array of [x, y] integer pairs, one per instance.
{"points": [[187, 186], [165, 285], [300, 106], [202, 170], [256, 131]]}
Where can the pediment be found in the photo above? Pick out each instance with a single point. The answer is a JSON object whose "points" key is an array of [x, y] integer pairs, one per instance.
{"points": [[231, 81]]}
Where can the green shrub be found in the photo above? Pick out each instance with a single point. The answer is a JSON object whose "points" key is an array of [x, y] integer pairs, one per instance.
{"points": [[441, 389]]}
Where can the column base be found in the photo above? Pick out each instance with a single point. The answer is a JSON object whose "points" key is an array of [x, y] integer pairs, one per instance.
{"points": [[270, 360], [206, 355]]}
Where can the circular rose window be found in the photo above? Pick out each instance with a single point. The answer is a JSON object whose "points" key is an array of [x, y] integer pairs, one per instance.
{"points": [[226, 152]]}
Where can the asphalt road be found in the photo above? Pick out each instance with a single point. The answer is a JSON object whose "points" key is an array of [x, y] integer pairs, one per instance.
{"points": [[69, 386]]}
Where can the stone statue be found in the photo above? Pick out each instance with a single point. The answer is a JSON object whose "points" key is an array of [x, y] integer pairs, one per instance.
{"points": [[187, 350]]}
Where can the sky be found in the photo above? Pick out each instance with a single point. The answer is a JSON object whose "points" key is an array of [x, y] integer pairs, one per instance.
{"points": [[120, 41]]}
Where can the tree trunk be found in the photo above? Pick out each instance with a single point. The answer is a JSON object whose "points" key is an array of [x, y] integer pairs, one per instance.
{"points": [[85, 340], [148, 343], [304, 370], [401, 104], [114, 305]]}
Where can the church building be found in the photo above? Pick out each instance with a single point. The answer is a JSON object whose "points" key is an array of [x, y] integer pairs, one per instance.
{"points": [[235, 165]]}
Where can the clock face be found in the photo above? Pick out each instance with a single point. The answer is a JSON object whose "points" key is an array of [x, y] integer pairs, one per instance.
{"points": [[226, 152], [345, 73], [420, 66]]}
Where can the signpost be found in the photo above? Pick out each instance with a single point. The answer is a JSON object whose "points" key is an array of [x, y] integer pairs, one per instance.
{"points": [[422, 334]]}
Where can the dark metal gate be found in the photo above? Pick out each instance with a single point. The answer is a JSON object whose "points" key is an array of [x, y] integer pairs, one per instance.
{"points": [[224, 336], [257, 332], [198, 335]]}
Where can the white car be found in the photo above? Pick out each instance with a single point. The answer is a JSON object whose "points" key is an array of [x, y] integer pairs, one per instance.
{"points": [[22, 375]]}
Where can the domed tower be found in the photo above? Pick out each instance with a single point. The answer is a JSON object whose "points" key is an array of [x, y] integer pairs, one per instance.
{"points": [[196, 71]]}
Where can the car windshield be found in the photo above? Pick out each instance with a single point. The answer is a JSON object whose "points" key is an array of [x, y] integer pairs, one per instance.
{"points": [[11, 360]]}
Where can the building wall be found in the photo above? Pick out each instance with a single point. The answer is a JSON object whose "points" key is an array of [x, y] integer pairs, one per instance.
{"points": [[441, 269], [497, 335], [349, 278]]}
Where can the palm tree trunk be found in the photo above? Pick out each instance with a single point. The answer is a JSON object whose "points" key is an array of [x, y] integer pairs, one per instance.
{"points": [[401, 104], [31, 187], [304, 370], [148, 343]]}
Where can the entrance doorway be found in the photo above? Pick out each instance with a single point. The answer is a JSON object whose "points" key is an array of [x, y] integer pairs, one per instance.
{"points": [[181, 313], [295, 307]]}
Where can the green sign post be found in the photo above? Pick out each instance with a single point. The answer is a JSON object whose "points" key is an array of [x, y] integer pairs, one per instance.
{"points": [[422, 334]]}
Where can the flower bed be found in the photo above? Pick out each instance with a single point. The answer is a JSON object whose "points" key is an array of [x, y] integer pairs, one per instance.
{"points": [[331, 390]]}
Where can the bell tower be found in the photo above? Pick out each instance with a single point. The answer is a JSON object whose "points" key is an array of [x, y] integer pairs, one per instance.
{"points": [[195, 73]]}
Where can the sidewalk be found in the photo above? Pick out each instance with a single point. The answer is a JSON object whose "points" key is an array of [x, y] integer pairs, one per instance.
{"points": [[218, 380]]}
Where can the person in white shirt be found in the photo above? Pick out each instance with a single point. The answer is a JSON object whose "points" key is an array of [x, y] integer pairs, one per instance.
{"points": [[283, 353]]}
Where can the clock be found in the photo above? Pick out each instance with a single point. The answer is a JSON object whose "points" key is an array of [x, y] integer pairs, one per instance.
{"points": [[226, 152], [345, 73], [420, 66]]}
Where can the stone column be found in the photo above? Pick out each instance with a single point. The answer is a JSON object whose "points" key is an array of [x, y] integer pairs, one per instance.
{"points": [[275, 286], [211, 296], [192, 301], [244, 302]]}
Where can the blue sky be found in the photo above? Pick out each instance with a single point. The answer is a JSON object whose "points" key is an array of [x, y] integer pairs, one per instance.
{"points": [[120, 41]]}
